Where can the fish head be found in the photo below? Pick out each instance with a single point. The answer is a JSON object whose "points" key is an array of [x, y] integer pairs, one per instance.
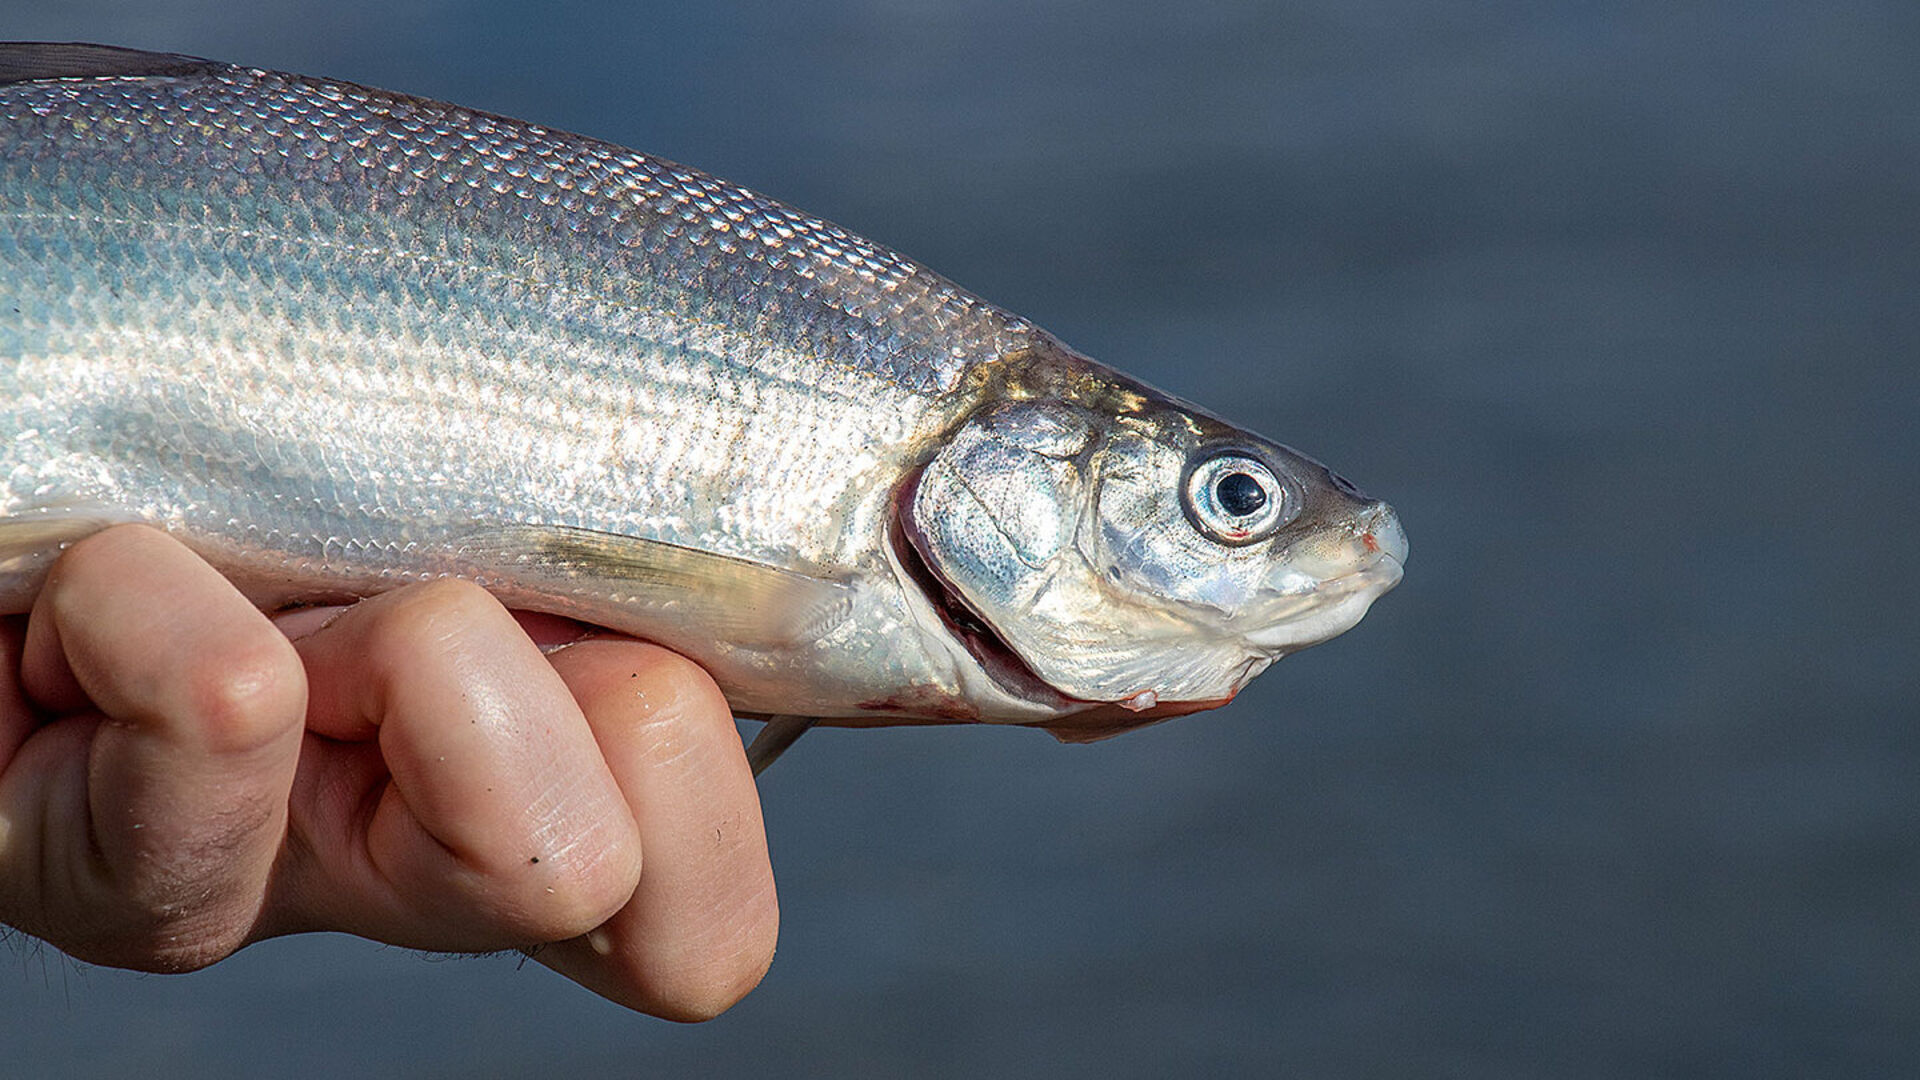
{"points": [[1148, 556]]}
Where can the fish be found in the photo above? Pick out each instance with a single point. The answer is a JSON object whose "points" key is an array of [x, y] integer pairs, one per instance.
{"points": [[338, 340]]}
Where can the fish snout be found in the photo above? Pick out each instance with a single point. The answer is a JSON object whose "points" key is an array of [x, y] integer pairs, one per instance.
{"points": [[1380, 531], [1363, 552]]}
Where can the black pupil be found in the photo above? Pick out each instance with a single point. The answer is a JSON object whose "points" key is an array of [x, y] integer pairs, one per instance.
{"points": [[1240, 494]]}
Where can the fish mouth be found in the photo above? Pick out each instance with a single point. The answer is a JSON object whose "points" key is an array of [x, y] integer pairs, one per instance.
{"points": [[1366, 561], [965, 625], [1332, 609]]}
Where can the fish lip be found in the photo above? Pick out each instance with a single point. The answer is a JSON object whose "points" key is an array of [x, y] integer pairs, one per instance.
{"points": [[1338, 606], [1384, 572]]}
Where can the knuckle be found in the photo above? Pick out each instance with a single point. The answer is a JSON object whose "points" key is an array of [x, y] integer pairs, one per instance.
{"points": [[431, 616], [255, 694]]}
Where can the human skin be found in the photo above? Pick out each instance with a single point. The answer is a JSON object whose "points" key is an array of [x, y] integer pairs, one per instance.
{"points": [[181, 776]]}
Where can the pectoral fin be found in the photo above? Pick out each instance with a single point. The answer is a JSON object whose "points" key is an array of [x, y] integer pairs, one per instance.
{"points": [[739, 601]]}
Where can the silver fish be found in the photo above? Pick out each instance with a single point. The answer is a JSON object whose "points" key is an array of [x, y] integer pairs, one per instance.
{"points": [[338, 340]]}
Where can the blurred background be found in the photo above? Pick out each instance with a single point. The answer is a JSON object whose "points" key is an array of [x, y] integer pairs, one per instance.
{"points": [[1618, 303]]}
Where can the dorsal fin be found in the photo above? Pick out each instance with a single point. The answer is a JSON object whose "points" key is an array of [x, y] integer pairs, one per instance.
{"points": [[28, 61]]}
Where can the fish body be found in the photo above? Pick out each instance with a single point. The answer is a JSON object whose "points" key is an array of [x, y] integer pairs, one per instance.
{"points": [[338, 340]]}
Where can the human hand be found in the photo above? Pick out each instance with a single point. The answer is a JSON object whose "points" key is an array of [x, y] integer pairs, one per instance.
{"points": [[178, 779]]}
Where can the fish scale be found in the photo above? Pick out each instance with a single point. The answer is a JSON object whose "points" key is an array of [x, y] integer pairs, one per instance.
{"points": [[337, 339]]}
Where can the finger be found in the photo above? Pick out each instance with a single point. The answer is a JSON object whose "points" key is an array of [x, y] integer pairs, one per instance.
{"points": [[182, 788], [453, 796], [700, 930]]}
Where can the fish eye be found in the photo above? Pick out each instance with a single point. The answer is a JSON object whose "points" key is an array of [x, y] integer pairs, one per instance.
{"points": [[1235, 499]]}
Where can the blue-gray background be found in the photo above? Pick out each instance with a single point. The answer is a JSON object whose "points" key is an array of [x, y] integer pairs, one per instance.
{"points": [[1617, 302]]}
